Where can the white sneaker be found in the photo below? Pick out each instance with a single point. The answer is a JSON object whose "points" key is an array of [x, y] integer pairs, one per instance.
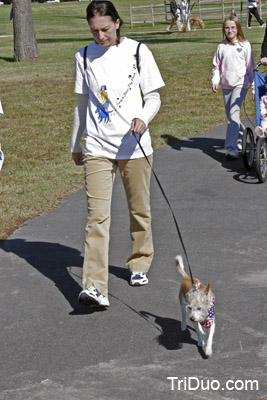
{"points": [[138, 279], [92, 297], [239, 144]]}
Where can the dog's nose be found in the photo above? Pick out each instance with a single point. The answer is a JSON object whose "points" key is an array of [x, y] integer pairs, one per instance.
{"points": [[192, 319]]}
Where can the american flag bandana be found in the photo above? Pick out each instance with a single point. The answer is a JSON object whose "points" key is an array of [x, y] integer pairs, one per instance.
{"points": [[211, 311], [210, 316]]}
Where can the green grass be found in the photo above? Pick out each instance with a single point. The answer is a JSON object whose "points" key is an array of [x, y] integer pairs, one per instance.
{"points": [[38, 101]]}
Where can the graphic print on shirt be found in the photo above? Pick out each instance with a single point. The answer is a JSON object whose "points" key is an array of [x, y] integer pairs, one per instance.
{"points": [[102, 110], [131, 78]]}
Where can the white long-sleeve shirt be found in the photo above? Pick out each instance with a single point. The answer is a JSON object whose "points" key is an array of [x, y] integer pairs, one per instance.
{"points": [[109, 98], [233, 65], [151, 107]]}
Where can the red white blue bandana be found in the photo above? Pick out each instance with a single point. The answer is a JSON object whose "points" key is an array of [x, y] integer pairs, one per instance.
{"points": [[207, 323], [210, 316]]}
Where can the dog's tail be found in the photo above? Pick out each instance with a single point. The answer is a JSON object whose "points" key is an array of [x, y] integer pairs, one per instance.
{"points": [[180, 266]]}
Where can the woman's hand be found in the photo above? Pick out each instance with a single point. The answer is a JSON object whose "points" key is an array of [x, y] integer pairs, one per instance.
{"points": [[78, 158], [215, 88], [137, 126]]}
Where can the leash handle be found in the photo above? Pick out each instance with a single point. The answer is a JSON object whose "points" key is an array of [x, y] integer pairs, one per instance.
{"points": [[173, 215]]}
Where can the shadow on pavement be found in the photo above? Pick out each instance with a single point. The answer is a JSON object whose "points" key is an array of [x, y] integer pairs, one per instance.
{"points": [[55, 262], [120, 272], [213, 148], [171, 337]]}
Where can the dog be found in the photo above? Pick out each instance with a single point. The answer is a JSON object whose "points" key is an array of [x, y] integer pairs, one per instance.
{"points": [[197, 22], [198, 302]]}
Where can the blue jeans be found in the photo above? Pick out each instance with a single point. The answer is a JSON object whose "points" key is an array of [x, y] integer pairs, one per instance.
{"points": [[233, 99]]}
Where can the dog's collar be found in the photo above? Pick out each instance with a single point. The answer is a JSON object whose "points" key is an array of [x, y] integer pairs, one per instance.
{"points": [[207, 323]]}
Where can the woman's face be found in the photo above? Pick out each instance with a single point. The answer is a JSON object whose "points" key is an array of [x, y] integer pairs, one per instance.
{"points": [[104, 30], [230, 30]]}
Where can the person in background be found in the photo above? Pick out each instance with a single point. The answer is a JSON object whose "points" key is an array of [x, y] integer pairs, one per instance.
{"points": [[233, 66], [1, 152], [253, 10], [176, 15], [186, 15], [113, 115], [264, 49], [233, 13], [11, 13]]}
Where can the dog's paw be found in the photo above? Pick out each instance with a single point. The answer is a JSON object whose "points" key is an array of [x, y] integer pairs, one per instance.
{"points": [[208, 351]]}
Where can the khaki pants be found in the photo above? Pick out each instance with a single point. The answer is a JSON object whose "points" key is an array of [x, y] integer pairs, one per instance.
{"points": [[99, 178]]}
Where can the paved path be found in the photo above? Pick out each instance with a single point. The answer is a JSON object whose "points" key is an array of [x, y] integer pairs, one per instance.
{"points": [[52, 348]]}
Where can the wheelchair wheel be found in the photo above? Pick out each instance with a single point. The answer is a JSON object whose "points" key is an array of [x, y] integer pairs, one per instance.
{"points": [[261, 159], [248, 148]]}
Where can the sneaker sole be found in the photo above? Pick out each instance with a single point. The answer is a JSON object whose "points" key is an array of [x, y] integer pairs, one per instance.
{"points": [[231, 158], [138, 284]]}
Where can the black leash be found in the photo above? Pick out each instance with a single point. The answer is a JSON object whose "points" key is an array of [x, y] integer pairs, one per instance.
{"points": [[137, 56], [173, 215]]}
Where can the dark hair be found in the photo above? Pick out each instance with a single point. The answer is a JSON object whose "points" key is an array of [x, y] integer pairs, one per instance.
{"points": [[103, 8]]}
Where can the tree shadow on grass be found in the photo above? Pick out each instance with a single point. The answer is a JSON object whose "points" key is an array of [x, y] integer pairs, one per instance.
{"points": [[161, 36], [64, 40], [8, 59]]}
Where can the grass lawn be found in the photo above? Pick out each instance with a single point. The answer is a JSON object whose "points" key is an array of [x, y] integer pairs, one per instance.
{"points": [[38, 101]]}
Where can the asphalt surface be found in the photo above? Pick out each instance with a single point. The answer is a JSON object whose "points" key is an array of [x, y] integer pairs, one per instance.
{"points": [[53, 348]]}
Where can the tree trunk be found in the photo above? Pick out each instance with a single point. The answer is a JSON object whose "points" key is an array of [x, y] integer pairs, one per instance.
{"points": [[25, 47]]}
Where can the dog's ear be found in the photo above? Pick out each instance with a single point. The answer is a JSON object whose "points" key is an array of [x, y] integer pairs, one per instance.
{"points": [[207, 289]]}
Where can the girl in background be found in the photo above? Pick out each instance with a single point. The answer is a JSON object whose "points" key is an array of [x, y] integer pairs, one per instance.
{"points": [[233, 66]]}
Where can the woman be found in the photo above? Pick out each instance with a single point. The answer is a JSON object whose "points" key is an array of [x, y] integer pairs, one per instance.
{"points": [[233, 65], [110, 143], [176, 15]]}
